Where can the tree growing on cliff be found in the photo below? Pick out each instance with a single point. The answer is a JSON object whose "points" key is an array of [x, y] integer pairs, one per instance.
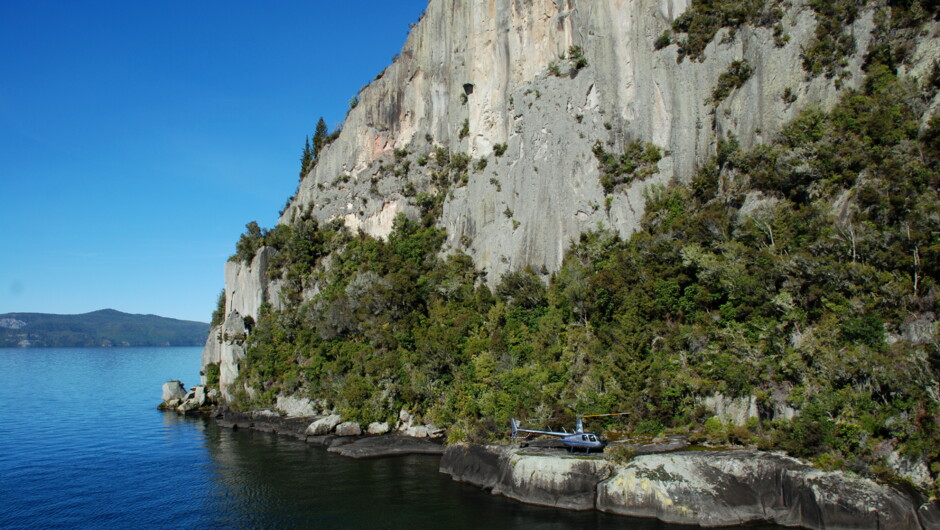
{"points": [[248, 243], [306, 159], [321, 137]]}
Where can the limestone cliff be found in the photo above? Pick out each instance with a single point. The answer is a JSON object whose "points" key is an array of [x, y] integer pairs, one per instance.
{"points": [[487, 64], [496, 80]]}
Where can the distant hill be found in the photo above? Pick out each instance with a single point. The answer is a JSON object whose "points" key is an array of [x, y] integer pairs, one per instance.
{"points": [[98, 328]]}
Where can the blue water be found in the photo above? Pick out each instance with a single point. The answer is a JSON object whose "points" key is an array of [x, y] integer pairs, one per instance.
{"points": [[83, 446]]}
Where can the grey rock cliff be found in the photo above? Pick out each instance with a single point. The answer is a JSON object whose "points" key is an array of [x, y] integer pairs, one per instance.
{"points": [[486, 63], [474, 74]]}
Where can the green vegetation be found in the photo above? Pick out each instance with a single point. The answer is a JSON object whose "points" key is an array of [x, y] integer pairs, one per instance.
{"points": [[663, 40], [734, 77], [248, 243], [321, 137], [702, 20], [212, 375], [452, 168], [638, 161], [832, 43], [780, 272], [577, 58], [218, 315], [98, 328]]}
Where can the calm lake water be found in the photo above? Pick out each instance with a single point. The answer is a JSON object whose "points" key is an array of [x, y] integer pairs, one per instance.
{"points": [[83, 446]]}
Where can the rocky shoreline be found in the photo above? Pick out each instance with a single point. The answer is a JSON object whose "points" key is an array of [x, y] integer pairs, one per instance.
{"points": [[352, 446], [706, 488], [665, 481]]}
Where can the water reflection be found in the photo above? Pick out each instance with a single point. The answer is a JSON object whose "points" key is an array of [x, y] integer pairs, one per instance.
{"points": [[94, 452], [266, 480]]}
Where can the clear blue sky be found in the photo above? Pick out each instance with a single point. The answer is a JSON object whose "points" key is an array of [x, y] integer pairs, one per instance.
{"points": [[138, 138]]}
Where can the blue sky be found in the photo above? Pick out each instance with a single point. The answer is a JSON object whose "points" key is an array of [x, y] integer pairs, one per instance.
{"points": [[138, 138]]}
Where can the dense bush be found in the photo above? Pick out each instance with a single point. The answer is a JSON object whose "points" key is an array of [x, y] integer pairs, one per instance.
{"points": [[832, 43], [735, 76], [637, 162], [212, 375], [248, 244], [703, 18], [785, 272], [218, 315]]}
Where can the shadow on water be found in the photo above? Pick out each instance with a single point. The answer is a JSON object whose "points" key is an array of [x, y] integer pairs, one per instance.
{"points": [[263, 480]]}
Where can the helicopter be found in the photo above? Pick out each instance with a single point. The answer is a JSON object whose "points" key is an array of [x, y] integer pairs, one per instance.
{"points": [[588, 441]]}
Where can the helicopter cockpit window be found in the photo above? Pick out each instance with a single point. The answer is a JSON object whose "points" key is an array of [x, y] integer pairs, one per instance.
{"points": [[593, 439], [584, 437]]}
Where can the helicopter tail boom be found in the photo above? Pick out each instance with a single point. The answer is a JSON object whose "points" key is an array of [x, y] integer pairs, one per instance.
{"points": [[516, 430]]}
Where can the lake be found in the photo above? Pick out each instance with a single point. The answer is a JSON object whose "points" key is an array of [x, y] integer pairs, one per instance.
{"points": [[82, 445]]}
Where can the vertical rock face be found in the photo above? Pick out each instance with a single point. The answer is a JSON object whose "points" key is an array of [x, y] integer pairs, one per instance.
{"points": [[247, 285], [477, 73], [494, 80], [561, 482], [212, 352], [232, 351]]}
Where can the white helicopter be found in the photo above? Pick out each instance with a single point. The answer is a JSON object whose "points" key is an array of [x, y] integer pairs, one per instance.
{"points": [[588, 441]]}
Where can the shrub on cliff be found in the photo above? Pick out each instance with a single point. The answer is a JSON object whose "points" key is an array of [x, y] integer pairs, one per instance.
{"points": [[218, 315], [748, 281], [248, 244]]}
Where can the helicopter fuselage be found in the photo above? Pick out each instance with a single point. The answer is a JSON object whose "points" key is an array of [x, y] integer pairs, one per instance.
{"points": [[574, 441]]}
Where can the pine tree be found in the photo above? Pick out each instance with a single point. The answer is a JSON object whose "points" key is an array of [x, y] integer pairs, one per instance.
{"points": [[320, 137], [306, 159]]}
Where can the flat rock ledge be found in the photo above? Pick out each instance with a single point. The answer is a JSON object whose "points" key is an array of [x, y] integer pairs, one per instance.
{"points": [[376, 446], [706, 488], [387, 445]]}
